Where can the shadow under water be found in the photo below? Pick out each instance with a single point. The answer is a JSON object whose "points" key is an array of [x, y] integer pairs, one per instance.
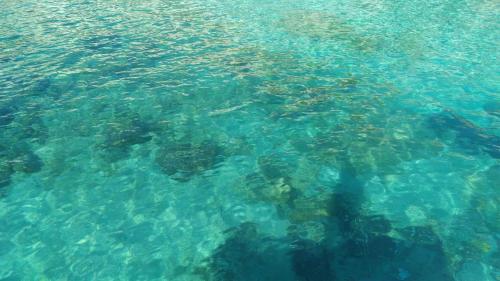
{"points": [[355, 247], [467, 135]]}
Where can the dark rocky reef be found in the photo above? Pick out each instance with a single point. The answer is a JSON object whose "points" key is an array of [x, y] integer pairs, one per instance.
{"points": [[19, 158], [467, 135], [367, 244], [19, 131], [419, 234], [370, 242], [250, 256], [53, 86], [122, 133], [6, 172], [27, 162], [6, 115], [183, 160], [29, 127], [102, 43], [276, 182], [312, 261], [21, 123], [41, 87], [492, 108], [355, 246], [274, 167]]}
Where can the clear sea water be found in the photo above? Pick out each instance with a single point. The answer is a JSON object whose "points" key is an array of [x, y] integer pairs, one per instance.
{"points": [[250, 140]]}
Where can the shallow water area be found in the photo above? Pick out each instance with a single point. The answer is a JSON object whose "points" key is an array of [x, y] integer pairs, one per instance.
{"points": [[249, 140]]}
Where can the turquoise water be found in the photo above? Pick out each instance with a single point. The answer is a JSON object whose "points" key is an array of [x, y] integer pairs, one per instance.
{"points": [[249, 140]]}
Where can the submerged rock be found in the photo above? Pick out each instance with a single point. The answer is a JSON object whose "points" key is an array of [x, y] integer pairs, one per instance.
{"points": [[29, 127], [468, 135], [247, 255], [492, 108], [278, 192], [123, 133], [273, 167], [472, 271], [370, 246], [27, 162], [6, 115], [42, 86], [103, 42], [307, 209], [20, 157], [420, 234], [312, 261], [133, 133], [184, 160], [17, 158], [5, 172], [374, 224], [53, 86]]}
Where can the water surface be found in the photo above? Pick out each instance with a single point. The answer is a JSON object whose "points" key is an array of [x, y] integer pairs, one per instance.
{"points": [[249, 140]]}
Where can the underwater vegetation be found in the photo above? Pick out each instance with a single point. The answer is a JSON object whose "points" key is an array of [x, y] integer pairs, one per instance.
{"points": [[466, 134], [183, 160]]}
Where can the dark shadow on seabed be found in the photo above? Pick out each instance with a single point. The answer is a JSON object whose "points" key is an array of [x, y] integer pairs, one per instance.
{"points": [[467, 135], [356, 247]]}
